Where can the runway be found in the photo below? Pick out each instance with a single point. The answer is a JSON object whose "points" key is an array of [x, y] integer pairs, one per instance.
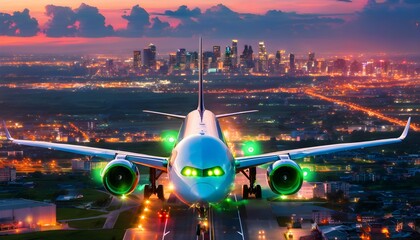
{"points": [[233, 219]]}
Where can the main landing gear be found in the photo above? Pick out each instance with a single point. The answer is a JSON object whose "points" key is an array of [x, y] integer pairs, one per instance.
{"points": [[152, 188], [251, 188]]}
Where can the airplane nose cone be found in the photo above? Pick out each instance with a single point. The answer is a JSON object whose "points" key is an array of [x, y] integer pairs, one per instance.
{"points": [[202, 191]]}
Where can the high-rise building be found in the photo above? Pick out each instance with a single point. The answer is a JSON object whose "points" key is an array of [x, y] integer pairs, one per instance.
{"points": [[227, 64], [292, 63], [311, 64], [216, 52], [234, 53], [149, 56], [356, 68], [181, 58], [137, 59], [246, 59], [262, 58], [340, 66]]}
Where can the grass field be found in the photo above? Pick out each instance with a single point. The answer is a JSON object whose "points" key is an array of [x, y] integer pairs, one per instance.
{"points": [[72, 213], [103, 234], [88, 224], [126, 219]]}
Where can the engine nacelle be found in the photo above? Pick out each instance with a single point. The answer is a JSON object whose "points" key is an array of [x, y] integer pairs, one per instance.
{"points": [[285, 177], [120, 177]]}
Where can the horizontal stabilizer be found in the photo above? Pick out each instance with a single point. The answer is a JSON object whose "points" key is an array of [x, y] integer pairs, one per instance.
{"points": [[235, 113], [165, 114]]}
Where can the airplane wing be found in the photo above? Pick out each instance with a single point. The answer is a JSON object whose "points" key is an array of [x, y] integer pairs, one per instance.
{"points": [[137, 158], [252, 161]]}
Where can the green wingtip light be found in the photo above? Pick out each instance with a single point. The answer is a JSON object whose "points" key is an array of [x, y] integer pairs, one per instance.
{"points": [[305, 174], [169, 139]]}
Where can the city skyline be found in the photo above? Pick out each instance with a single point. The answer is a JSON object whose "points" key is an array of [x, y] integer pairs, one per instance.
{"points": [[89, 27]]}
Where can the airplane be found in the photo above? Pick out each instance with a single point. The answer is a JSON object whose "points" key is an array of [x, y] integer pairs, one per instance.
{"points": [[201, 167]]}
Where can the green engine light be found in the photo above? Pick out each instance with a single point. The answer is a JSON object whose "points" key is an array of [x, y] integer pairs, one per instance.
{"points": [[194, 172], [210, 173], [217, 172], [187, 172]]}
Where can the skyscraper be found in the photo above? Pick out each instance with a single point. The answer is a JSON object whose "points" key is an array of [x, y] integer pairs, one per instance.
{"points": [[137, 59], [149, 56], [181, 58], [216, 52], [262, 58], [227, 63], [292, 63], [234, 53], [247, 60], [311, 65]]}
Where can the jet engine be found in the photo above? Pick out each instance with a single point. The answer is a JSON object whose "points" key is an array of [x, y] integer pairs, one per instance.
{"points": [[120, 177], [284, 177]]}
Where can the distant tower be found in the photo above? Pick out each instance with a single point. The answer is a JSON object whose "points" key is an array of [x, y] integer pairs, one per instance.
{"points": [[149, 56], [292, 62], [262, 58], [137, 59], [234, 53], [311, 62], [228, 57], [216, 52]]}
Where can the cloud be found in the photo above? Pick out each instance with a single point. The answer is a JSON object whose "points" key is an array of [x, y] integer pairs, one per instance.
{"points": [[19, 24], [138, 22], [183, 12], [85, 21], [220, 21], [389, 22], [61, 23], [91, 22], [158, 28]]}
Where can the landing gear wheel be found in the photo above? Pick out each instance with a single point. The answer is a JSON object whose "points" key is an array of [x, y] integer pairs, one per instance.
{"points": [[245, 192], [147, 192], [258, 192], [159, 191]]}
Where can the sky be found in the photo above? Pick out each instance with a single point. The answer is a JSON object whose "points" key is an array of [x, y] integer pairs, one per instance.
{"points": [[109, 26]]}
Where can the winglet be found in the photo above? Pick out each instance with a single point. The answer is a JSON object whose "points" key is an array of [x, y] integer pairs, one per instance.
{"points": [[407, 127], [8, 136]]}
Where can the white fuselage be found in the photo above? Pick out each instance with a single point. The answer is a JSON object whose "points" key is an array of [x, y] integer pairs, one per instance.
{"points": [[201, 149]]}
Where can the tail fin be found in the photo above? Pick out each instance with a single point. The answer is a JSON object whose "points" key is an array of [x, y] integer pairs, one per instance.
{"points": [[200, 107]]}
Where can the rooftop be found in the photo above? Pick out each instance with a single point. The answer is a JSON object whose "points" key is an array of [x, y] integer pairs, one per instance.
{"points": [[17, 203]]}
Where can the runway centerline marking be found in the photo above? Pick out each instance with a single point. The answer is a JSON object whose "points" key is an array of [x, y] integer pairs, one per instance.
{"points": [[240, 221]]}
